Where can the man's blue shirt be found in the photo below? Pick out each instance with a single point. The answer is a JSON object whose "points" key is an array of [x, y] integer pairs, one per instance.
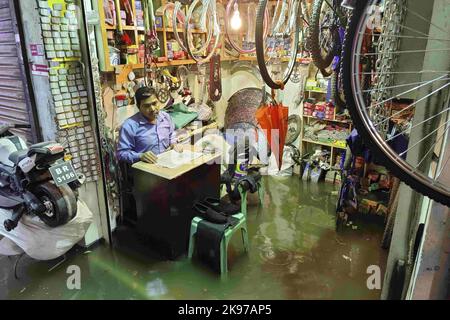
{"points": [[138, 136]]}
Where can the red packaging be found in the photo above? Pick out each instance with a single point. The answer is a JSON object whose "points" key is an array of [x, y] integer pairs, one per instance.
{"points": [[308, 105]]}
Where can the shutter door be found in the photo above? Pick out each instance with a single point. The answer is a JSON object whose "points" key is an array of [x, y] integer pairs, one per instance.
{"points": [[13, 100]]}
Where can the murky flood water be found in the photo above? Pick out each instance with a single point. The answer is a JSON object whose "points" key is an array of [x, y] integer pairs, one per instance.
{"points": [[295, 253]]}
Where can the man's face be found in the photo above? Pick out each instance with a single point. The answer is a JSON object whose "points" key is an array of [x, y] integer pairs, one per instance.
{"points": [[150, 108]]}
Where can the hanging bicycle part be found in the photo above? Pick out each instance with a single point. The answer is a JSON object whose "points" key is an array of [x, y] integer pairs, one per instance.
{"points": [[233, 27], [178, 17], [278, 51], [151, 43], [327, 17], [296, 76], [215, 78], [401, 105], [208, 24], [294, 129]]}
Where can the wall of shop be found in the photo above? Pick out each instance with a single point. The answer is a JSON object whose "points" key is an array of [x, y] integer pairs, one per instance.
{"points": [[231, 83], [40, 65]]}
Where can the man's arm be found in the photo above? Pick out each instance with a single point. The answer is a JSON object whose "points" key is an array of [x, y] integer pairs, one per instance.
{"points": [[173, 134], [126, 145]]}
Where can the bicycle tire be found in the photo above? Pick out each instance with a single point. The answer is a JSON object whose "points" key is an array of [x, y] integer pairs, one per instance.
{"points": [[188, 42], [260, 50], [321, 62], [338, 101], [292, 136], [177, 7], [400, 168]]}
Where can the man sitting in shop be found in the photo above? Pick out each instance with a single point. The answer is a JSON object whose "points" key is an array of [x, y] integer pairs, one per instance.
{"points": [[148, 133]]}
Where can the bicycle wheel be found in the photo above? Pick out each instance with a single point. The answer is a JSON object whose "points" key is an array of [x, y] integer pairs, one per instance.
{"points": [[280, 47], [208, 14], [403, 111], [324, 36]]}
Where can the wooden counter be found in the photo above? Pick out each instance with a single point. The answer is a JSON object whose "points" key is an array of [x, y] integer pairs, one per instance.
{"points": [[171, 174], [165, 197]]}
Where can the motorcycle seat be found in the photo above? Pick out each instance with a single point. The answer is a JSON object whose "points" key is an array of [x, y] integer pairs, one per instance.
{"points": [[18, 156], [40, 148]]}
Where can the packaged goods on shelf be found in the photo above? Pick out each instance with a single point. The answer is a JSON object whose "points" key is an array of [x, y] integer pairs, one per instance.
{"points": [[316, 85], [110, 12], [308, 108], [158, 22]]}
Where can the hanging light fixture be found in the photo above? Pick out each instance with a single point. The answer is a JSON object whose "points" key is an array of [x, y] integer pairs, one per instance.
{"points": [[236, 21]]}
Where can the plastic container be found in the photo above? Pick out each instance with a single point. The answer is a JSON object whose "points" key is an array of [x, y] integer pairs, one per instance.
{"points": [[114, 56]]}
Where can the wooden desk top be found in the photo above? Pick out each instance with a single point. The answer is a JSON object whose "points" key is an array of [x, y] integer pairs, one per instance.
{"points": [[171, 174]]}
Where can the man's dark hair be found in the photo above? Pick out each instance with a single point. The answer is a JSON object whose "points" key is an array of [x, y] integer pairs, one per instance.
{"points": [[142, 94]]}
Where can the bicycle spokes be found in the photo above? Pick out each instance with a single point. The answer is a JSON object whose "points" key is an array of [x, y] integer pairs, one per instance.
{"points": [[397, 78]]}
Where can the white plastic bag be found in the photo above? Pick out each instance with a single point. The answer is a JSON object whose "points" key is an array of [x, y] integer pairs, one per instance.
{"points": [[40, 241], [287, 167]]}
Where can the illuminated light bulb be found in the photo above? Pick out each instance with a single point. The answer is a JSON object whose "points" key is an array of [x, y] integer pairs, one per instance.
{"points": [[236, 21]]}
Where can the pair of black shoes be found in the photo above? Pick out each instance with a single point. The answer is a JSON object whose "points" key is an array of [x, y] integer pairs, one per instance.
{"points": [[216, 211]]}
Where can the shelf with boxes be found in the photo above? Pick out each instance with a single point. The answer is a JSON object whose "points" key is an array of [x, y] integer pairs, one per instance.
{"points": [[131, 50], [323, 127]]}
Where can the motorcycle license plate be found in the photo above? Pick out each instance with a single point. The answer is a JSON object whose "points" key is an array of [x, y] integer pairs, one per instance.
{"points": [[63, 173]]}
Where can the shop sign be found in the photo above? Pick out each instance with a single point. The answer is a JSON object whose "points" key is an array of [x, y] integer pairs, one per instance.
{"points": [[39, 70], [37, 50]]}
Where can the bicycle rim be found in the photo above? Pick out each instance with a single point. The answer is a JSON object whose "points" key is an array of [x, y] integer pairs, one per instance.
{"points": [[261, 48], [323, 36], [192, 51], [375, 106], [196, 53], [177, 8], [229, 34]]}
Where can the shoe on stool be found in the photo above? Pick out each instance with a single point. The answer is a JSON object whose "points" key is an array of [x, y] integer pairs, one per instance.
{"points": [[228, 209], [210, 214]]}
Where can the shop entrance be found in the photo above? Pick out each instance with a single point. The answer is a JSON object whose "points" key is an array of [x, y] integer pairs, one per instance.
{"points": [[15, 102]]}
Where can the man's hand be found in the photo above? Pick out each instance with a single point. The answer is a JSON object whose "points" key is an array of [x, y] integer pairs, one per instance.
{"points": [[149, 157], [178, 148]]}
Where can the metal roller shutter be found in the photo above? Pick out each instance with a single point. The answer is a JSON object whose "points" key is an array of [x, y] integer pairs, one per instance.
{"points": [[13, 99]]}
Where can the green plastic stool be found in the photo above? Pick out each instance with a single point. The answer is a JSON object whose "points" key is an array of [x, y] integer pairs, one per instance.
{"points": [[244, 193], [242, 225]]}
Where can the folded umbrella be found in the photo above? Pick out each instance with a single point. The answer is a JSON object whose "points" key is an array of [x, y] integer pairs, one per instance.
{"points": [[273, 119]]}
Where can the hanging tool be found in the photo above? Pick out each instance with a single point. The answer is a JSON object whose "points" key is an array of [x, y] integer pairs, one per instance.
{"points": [[215, 78]]}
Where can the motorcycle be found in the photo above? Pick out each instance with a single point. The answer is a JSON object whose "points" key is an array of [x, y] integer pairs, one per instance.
{"points": [[36, 180]]}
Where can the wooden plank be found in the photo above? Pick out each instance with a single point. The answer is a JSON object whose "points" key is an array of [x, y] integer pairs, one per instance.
{"points": [[103, 26], [170, 174]]}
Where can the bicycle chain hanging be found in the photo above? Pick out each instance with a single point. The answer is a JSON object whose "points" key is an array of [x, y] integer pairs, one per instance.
{"points": [[393, 17], [107, 137]]}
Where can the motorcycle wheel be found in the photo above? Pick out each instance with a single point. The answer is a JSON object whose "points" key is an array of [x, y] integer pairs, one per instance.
{"points": [[61, 204]]}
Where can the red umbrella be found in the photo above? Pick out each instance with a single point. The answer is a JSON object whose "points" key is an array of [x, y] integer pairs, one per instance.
{"points": [[273, 119]]}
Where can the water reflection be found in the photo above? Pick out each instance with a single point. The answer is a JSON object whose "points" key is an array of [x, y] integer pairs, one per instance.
{"points": [[295, 253]]}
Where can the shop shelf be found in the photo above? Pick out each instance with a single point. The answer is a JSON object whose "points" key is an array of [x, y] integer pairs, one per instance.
{"points": [[324, 144], [332, 120], [127, 28], [179, 30], [165, 64], [317, 91]]}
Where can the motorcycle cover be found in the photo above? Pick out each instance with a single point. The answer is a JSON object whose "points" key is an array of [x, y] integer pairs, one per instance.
{"points": [[38, 240]]}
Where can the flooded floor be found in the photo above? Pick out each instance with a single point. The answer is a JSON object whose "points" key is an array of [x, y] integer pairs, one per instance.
{"points": [[295, 253]]}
